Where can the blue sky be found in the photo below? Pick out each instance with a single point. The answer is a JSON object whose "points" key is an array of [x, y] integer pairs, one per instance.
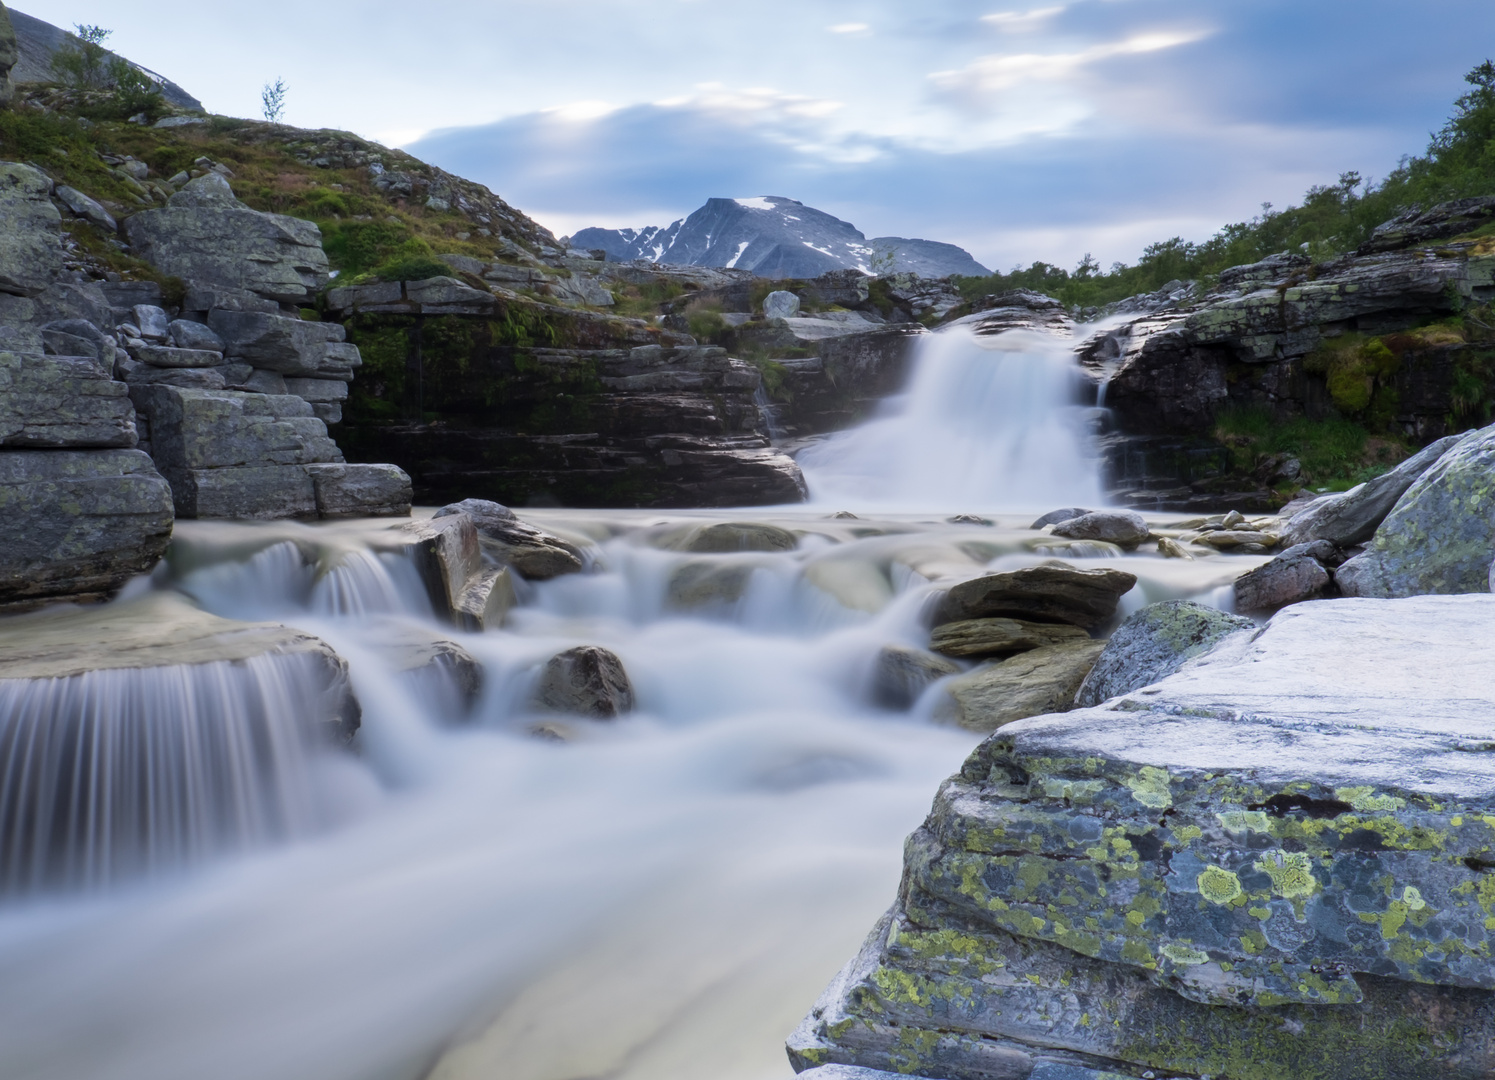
{"points": [[1041, 129]]}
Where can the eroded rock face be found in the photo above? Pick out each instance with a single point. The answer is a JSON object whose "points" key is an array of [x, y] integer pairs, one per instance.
{"points": [[62, 401], [1259, 868], [586, 681], [1050, 593], [1152, 644], [205, 234]]}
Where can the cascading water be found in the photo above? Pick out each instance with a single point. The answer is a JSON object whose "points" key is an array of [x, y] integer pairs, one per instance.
{"points": [[988, 423]]}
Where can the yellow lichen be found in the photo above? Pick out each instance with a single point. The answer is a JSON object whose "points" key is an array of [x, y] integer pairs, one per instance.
{"points": [[1150, 787], [1244, 820], [1218, 885], [1291, 873]]}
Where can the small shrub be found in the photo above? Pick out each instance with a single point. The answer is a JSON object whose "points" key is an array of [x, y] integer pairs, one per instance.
{"points": [[1352, 365], [413, 266]]}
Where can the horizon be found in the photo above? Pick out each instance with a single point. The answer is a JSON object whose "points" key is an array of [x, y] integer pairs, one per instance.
{"points": [[1018, 131]]}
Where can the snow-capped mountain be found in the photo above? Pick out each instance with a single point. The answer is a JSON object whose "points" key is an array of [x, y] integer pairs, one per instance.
{"points": [[775, 237]]}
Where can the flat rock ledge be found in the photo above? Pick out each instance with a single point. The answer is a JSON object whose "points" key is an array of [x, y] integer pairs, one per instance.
{"points": [[1277, 863]]}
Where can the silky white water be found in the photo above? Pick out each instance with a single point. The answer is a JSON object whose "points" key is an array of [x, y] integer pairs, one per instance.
{"points": [[988, 423]]}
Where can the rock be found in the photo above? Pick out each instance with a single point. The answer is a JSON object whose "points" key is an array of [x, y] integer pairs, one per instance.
{"points": [[1440, 536], [1416, 226], [436, 667], [78, 524], [1170, 548], [740, 536], [1055, 517], [448, 556], [135, 373], [1043, 680], [344, 490], [707, 586], [31, 242], [292, 347], [318, 390], [264, 382], [971, 638], [163, 356], [586, 681], [9, 54], [152, 322], [1269, 864], [900, 675], [1351, 517], [780, 304], [1153, 643], [534, 554], [206, 235], [62, 401], [1126, 528], [487, 600], [79, 337], [194, 335], [1053, 592], [87, 208], [1287, 579], [1237, 538]]}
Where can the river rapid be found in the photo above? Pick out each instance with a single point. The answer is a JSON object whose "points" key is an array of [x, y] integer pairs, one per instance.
{"points": [[497, 893]]}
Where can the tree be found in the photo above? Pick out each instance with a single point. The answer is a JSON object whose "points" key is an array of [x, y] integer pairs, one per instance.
{"points": [[82, 62], [273, 100]]}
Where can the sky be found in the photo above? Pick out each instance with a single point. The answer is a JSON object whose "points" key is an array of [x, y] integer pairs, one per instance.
{"points": [[1042, 129]]}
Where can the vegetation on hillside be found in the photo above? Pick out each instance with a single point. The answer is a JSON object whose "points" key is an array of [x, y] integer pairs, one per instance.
{"points": [[1333, 219]]}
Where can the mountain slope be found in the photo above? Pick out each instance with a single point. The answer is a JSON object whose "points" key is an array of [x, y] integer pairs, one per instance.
{"points": [[39, 41], [775, 237]]}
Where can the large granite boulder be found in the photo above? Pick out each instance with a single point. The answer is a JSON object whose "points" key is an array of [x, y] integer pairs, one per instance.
{"points": [[31, 242], [207, 235], [78, 524], [1440, 536], [1272, 864], [1153, 643]]}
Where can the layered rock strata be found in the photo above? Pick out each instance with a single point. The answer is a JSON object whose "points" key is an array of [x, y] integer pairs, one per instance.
{"points": [[1271, 864]]}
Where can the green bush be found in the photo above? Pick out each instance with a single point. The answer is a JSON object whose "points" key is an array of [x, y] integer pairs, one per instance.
{"points": [[415, 266]]}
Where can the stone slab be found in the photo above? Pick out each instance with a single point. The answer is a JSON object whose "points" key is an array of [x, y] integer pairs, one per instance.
{"points": [[344, 490], [62, 401]]}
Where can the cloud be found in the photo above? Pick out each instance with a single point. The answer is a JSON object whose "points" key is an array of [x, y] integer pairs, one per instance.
{"points": [[850, 28], [1021, 22]]}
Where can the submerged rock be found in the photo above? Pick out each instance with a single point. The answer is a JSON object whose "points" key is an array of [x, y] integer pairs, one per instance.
{"points": [[901, 675], [1124, 527], [970, 638], [1048, 593], [1272, 864], [1043, 680], [740, 536], [586, 681], [1153, 643], [705, 586]]}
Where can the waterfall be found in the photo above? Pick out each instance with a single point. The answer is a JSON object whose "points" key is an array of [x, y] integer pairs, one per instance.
{"points": [[987, 423]]}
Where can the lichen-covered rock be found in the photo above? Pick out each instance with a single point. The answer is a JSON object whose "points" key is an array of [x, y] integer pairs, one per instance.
{"points": [[61, 401], [1049, 593], [1440, 536], [586, 681], [31, 242], [534, 554], [1270, 864], [900, 675], [1287, 579], [1124, 527], [207, 235], [973, 638], [1153, 643], [78, 524], [1042, 680]]}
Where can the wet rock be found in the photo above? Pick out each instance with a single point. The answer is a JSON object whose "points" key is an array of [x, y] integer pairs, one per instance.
{"points": [[207, 235], [1170, 548], [448, 555], [79, 523], [1226, 539], [586, 681], [1126, 528], [533, 553], [1153, 643], [1043, 680], [1352, 517], [439, 670], [1048, 593], [740, 536], [487, 600], [344, 490], [707, 586], [973, 638], [30, 243], [1275, 858], [901, 674], [1440, 536], [1287, 579], [1054, 517]]}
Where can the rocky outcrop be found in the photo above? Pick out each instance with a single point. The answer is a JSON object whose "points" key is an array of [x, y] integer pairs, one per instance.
{"points": [[205, 234], [31, 244], [1271, 864], [534, 554], [1442, 222]]}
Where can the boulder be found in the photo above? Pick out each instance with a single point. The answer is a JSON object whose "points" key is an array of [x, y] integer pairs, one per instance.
{"points": [[534, 554], [739, 536], [291, 347], [86, 208], [61, 401], [344, 490], [164, 356], [707, 586], [206, 235], [1153, 643], [1126, 528], [1417, 226], [1043, 680], [1053, 592], [900, 675], [487, 600], [1170, 548], [435, 667], [1440, 537], [973, 638], [152, 322], [1272, 864], [31, 242], [135, 373], [585, 681], [448, 556], [186, 334], [78, 524], [79, 337], [780, 304], [1226, 539], [1287, 579], [1054, 517], [1352, 517]]}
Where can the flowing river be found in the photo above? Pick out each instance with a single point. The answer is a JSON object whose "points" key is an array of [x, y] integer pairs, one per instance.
{"points": [[478, 890]]}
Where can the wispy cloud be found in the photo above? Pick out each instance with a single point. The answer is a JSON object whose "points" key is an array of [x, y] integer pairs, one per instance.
{"points": [[850, 28], [1021, 22]]}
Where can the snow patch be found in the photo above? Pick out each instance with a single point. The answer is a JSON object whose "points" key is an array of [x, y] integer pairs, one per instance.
{"points": [[759, 203], [732, 262]]}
